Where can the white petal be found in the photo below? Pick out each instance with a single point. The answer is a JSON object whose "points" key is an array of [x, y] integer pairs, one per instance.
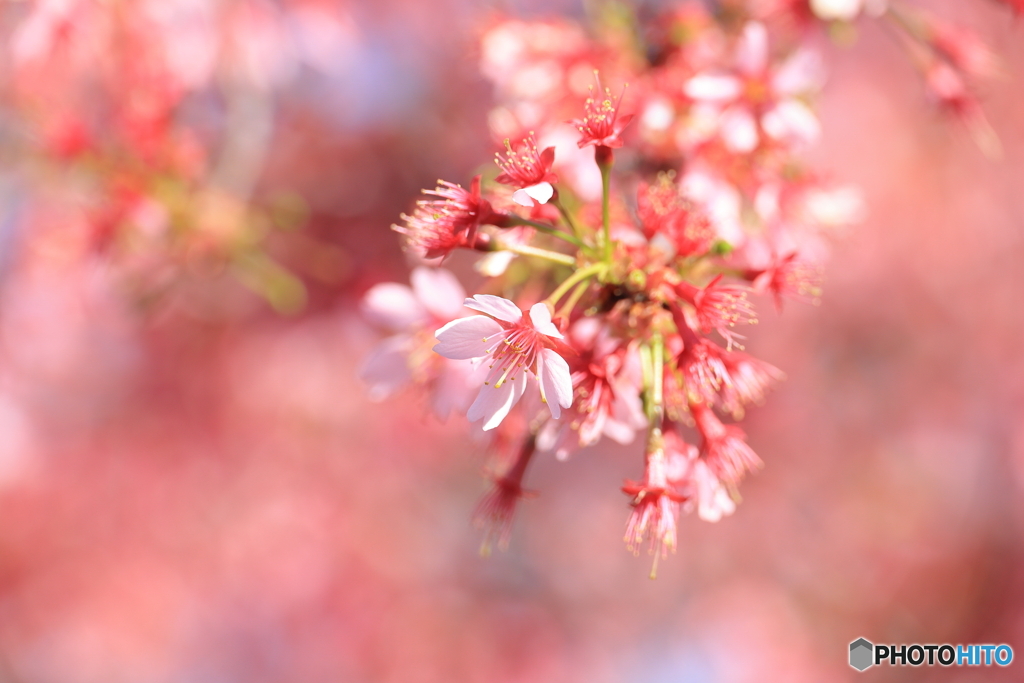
{"points": [[493, 403], [713, 88], [542, 192], [836, 10], [500, 308], [791, 120], [439, 291], [494, 263], [555, 380], [467, 338], [739, 130], [540, 314], [522, 198], [752, 49], [393, 305]]}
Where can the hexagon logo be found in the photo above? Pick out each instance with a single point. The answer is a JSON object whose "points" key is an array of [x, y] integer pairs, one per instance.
{"points": [[861, 654]]}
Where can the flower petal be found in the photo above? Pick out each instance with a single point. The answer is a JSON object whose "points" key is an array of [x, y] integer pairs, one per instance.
{"points": [[739, 129], [542, 192], [500, 308], [752, 49], [791, 121], [521, 198], [393, 306], [713, 88], [555, 381], [493, 402], [494, 263], [467, 338], [439, 291], [386, 369], [540, 315]]}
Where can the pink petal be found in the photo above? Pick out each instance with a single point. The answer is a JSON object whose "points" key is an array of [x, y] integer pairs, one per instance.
{"points": [[467, 338], [752, 49], [739, 130], [555, 381], [500, 308], [713, 88], [438, 291], [393, 306], [791, 120], [493, 402], [386, 369], [521, 198], [801, 72], [540, 314]]}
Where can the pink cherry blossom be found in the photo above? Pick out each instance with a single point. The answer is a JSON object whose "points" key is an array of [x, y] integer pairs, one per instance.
{"points": [[529, 170], [515, 346]]}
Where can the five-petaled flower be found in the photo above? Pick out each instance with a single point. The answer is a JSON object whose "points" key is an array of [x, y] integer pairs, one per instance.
{"points": [[516, 345], [529, 170], [601, 124]]}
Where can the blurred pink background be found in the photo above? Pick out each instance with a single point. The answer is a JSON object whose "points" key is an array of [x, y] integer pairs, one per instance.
{"points": [[203, 493]]}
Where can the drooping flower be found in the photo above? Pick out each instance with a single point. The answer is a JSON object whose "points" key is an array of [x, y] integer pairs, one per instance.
{"points": [[719, 307], [497, 508], [439, 226], [690, 476], [529, 170], [516, 345], [601, 124], [655, 506], [724, 447]]}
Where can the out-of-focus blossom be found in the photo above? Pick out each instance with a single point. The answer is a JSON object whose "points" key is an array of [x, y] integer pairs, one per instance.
{"points": [[760, 98], [405, 357]]}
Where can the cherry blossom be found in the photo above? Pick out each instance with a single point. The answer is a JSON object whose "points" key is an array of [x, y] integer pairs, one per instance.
{"points": [[515, 345]]}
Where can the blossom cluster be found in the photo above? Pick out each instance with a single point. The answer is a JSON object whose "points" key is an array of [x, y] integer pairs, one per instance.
{"points": [[651, 191]]}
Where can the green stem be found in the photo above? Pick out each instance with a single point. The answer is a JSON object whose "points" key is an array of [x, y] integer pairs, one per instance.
{"points": [[606, 220], [548, 230], [573, 299], [578, 276], [525, 250], [568, 218]]}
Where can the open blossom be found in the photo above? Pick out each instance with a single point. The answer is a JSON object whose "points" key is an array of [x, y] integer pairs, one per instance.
{"points": [[439, 226], [601, 124], [529, 170], [758, 99], [515, 345]]}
